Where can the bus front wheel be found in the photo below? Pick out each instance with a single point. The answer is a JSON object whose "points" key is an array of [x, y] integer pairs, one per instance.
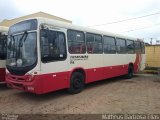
{"points": [[76, 83]]}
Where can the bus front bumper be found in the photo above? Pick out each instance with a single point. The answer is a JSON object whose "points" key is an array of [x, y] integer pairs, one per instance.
{"points": [[21, 83]]}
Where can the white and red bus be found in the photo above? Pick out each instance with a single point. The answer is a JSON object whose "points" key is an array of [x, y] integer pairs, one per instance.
{"points": [[3, 46], [45, 55]]}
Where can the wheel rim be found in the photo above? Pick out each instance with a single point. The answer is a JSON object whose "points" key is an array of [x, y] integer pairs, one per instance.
{"points": [[77, 83]]}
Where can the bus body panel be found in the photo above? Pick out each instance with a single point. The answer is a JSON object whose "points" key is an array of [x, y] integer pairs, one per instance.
{"points": [[52, 80], [44, 83]]}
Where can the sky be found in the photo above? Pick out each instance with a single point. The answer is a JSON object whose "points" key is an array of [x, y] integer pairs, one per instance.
{"points": [[90, 13]]}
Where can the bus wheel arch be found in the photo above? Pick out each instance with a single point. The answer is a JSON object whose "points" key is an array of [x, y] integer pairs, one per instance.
{"points": [[77, 81]]}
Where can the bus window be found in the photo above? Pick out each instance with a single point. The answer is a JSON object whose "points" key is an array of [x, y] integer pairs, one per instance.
{"points": [[76, 42], [94, 43], [130, 47], [138, 47], [109, 45], [53, 46], [121, 45], [142, 48], [3, 48]]}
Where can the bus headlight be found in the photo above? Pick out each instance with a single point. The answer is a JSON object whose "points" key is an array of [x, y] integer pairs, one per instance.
{"points": [[30, 78]]}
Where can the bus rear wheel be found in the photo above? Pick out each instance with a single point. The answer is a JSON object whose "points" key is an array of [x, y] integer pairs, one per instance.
{"points": [[130, 72], [76, 83]]}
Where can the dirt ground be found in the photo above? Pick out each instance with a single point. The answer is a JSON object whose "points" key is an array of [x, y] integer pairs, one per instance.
{"points": [[141, 94]]}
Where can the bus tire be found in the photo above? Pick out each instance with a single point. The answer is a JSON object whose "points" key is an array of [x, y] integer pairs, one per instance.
{"points": [[130, 72], [76, 83]]}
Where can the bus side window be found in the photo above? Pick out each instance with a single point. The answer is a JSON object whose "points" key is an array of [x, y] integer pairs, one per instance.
{"points": [[121, 45], [44, 44], [109, 45], [130, 47], [76, 42], [142, 47], [138, 47], [53, 46], [3, 47], [94, 43]]}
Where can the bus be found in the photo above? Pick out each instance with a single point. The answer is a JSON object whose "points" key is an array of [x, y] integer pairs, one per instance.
{"points": [[45, 55], [3, 46]]}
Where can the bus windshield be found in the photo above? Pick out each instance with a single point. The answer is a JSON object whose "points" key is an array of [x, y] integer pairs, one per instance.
{"points": [[22, 46], [23, 26], [3, 39], [21, 49]]}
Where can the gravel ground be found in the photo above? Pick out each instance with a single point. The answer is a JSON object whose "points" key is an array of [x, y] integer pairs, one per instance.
{"points": [[141, 94]]}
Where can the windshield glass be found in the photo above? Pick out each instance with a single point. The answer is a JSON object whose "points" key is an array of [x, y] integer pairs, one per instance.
{"points": [[3, 39], [21, 49], [23, 26]]}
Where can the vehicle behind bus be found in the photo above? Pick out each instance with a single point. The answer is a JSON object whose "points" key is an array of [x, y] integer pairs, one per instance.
{"points": [[45, 55], [3, 46]]}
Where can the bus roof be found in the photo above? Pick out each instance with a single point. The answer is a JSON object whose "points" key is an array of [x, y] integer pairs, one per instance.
{"points": [[61, 24]]}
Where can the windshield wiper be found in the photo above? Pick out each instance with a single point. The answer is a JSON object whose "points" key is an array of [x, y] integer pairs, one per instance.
{"points": [[11, 47], [21, 41]]}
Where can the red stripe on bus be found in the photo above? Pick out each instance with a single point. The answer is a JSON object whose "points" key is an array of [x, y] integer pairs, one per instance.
{"points": [[54, 81]]}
